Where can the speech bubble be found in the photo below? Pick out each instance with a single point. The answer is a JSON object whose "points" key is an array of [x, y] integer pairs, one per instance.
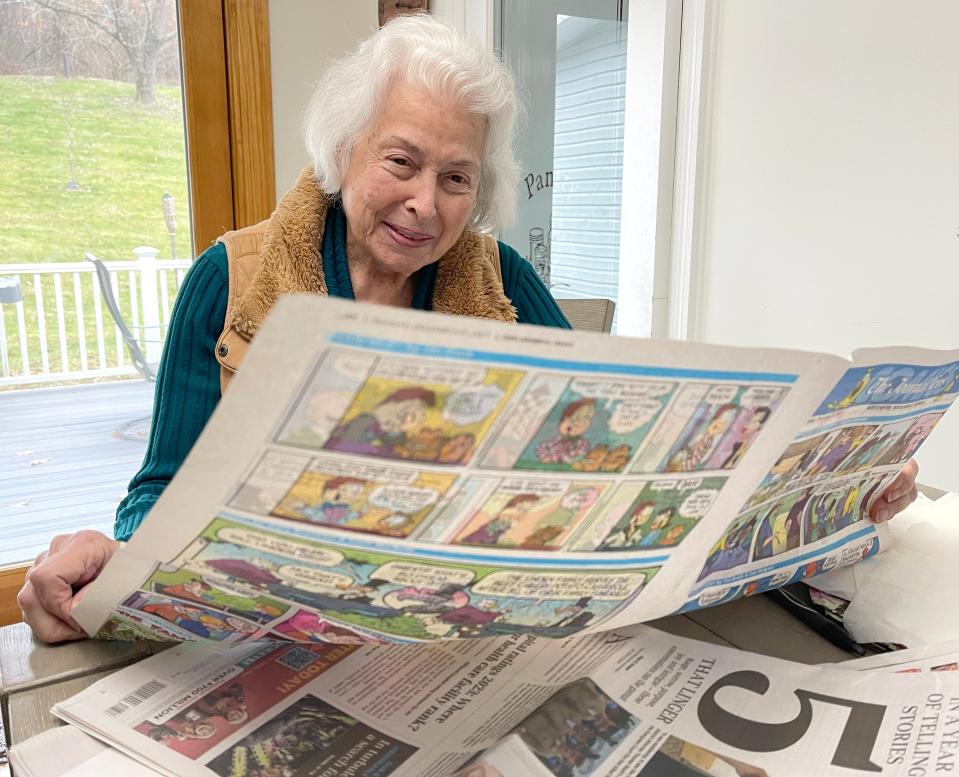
{"points": [[313, 579], [325, 408], [721, 395], [631, 415], [370, 472], [542, 488], [627, 391], [351, 366], [697, 504], [666, 485], [429, 373], [281, 547], [560, 585], [402, 499], [279, 466], [420, 576], [761, 396], [472, 404]]}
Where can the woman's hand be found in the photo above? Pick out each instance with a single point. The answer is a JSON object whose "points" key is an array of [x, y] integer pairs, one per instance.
{"points": [[898, 495], [56, 580]]}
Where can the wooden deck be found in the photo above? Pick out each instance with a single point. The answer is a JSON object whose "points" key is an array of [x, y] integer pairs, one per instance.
{"points": [[66, 456]]}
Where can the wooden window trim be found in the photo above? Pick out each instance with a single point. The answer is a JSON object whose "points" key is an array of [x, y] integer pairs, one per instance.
{"points": [[228, 112], [11, 581]]}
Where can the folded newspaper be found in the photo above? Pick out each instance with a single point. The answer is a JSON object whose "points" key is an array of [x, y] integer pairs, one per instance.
{"points": [[623, 703], [385, 475]]}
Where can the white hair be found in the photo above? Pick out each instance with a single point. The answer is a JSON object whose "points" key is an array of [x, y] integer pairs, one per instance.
{"points": [[422, 51]]}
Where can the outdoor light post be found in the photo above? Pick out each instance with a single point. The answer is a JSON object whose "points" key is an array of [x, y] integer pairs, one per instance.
{"points": [[169, 216]]}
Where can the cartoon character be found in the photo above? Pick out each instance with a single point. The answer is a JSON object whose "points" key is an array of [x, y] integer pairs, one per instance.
{"points": [[674, 535], [553, 524], [387, 425], [616, 459], [423, 445], [457, 449], [574, 616], [569, 444], [491, 531], [592, 460], [631, 534], [732, 551], [336, 507], [659, 522], [696, 450], [850, 398], [749, 430]]}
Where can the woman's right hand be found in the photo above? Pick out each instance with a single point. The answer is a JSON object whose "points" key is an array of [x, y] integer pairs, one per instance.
{"points": [[57, 579]]}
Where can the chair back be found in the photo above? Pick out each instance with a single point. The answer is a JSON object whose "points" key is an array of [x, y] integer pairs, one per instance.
{"points": [[133, 347], [594, 315]]}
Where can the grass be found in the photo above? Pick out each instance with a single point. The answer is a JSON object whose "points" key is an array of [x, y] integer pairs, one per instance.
{"points": [[83, 168]]}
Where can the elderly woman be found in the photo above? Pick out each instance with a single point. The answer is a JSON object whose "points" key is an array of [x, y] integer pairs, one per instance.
{"points": [[411, 139]]}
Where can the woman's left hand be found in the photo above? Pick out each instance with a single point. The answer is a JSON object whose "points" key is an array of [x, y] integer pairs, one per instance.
{"points": [[898, 495]]}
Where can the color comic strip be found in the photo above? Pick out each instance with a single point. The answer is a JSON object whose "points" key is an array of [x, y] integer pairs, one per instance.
{"points": [[605, 426], [826, 479], [285, 586], [392, 408]]}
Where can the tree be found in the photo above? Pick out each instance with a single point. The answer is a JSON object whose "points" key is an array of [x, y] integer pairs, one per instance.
{"points": [[140, 29]]}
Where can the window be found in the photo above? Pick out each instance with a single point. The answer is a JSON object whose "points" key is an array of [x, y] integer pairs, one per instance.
{"points": [[109, 150]]}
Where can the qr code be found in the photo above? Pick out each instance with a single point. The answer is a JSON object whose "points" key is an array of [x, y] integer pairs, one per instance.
{"points": [[297, 658]]}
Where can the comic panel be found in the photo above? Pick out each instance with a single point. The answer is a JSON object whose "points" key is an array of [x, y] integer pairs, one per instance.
{"points": [[312, 737], [530, 514], [369, 498], [328, 393], [194, 620], [650, 514], [409, 410], [576, 729], [594, 426], [380, 595], [270, 479], [191, 587], [709, 427], [307, 626], [839, 505], [734, 546]]}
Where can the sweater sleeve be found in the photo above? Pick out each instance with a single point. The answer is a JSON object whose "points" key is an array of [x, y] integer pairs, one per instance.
{"points": [[529, 295], [187, 385]]}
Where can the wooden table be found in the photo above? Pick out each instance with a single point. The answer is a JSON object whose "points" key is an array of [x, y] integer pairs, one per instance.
{"points": [[34, 677]]}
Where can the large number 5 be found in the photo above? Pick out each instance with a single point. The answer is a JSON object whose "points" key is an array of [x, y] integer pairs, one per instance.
{"points": [[855, 744]]}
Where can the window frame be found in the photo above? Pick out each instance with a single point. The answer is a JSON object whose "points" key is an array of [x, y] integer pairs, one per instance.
{"points": [[228, 117]]}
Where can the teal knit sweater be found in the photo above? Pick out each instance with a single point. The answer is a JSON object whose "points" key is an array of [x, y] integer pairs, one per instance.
{"points": [[188, 380]]}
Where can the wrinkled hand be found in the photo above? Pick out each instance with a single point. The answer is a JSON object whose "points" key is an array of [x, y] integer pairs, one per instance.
{"points": [[56, 580], [898, 495]]}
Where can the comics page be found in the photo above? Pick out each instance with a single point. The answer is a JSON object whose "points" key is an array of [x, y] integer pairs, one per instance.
{"points": [[462, 478], [808, 514]]}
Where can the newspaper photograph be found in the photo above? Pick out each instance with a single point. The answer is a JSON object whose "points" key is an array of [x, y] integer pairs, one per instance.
{"points": [[473, 479]]}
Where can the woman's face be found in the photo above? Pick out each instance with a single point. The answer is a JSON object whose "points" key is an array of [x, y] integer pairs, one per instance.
{"points": [[412, 181]]}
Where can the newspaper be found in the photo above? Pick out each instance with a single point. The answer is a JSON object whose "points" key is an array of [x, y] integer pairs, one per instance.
{"points": [[630, 702], [386, 475]]}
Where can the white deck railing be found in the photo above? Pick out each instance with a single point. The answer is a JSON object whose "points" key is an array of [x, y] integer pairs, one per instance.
{"points": [[61, 329]]}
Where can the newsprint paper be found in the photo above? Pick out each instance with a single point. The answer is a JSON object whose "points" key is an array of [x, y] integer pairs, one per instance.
{"points": [[377, 475], [623, 703]]}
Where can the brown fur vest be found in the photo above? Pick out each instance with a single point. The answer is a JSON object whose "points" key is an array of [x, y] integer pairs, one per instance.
{"points": [[282, 256]]}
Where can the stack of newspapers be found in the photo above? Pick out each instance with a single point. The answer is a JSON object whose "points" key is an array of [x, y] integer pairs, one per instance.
{"points": [[630, 702], [407, 539]]}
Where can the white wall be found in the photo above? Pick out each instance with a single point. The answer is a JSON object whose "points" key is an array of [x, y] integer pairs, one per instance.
{"points": [[832, 185], [305, 36]]}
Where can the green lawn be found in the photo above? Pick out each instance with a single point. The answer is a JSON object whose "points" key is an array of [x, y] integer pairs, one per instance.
{"points": [[121, 156]]}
